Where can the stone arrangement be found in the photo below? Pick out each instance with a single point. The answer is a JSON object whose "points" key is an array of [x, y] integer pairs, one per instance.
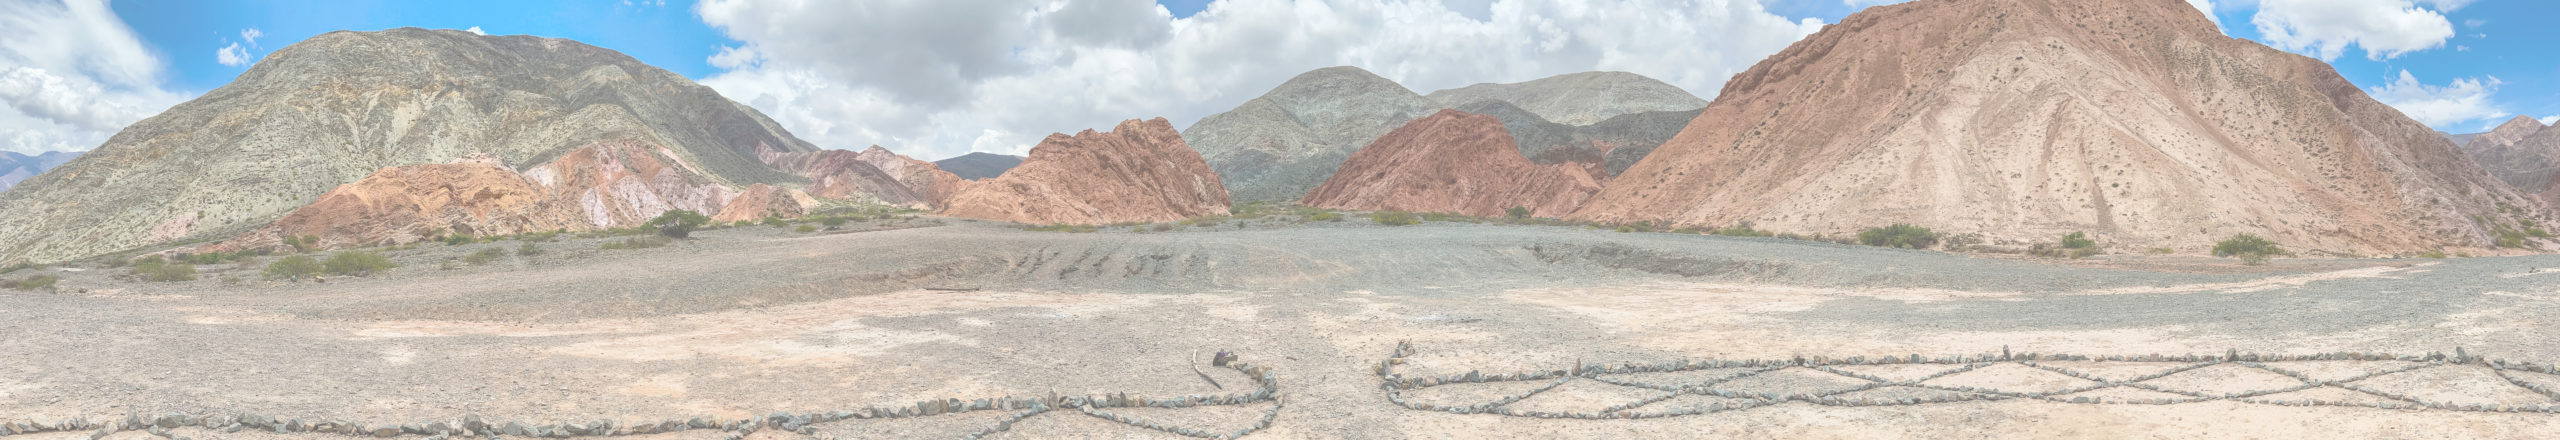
{"points": [[1396, 384], [1097, 406]]}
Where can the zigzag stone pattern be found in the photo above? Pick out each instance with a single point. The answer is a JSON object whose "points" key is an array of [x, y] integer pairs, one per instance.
{"points": [[1267, 389], [1397, 385]]}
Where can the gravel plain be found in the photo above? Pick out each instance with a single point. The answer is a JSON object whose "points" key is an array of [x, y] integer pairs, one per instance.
{"points": [[741, 323]]}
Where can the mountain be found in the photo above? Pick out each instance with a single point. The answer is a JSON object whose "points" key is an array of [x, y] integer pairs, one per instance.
{"points": [[1608, 147], [1455, 162], [2023, 120], [2459, 140], [845, 175], [16, 167], [1578, 98], [2524, 154], [1138, 171], [338, 107], [926, 180], [1277, 146], [976, 166]]}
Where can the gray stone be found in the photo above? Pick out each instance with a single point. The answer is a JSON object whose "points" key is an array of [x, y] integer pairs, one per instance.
{"points": [[513, 428]]}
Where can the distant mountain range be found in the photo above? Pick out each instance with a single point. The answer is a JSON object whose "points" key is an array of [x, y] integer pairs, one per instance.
{"points": [[16, 167]]}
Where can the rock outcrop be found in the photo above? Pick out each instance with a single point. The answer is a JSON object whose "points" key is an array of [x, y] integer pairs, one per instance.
{"points": [[843, 175], [927, 181], [338, 107], [1277, 146], [2524, 154], [2024, 120], [1138, 171], [979, 165], [1452, 162], [605, 185], [1579, 99], [761, 200], [16, 167]]}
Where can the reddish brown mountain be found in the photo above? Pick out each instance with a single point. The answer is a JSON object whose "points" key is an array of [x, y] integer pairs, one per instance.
{"points": [[604, 185], [2508, 133], [1139, 171], [843, 175], [926, 180], [2024, 120], [1453, 162], [2523, 153], [760, 200]]}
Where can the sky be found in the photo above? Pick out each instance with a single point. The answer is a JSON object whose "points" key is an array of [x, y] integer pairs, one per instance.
{"points": [[939, 78]]}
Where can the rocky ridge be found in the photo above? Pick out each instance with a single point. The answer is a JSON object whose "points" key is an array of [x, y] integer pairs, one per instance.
{"points": [[2524, 154], [2020, 121], [16, 167], [1578, 99], [1452, 162], [1277, 146], [927, 181], [1138, 171], [338, 107]]}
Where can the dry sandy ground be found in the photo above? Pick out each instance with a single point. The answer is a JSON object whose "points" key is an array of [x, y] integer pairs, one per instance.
{"points": [[747, 322]]}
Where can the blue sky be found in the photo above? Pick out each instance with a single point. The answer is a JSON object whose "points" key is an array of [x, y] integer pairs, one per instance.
{"points": [[810, 66]]}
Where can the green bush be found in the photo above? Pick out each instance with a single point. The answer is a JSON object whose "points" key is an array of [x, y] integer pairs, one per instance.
{"points": [[1395, 218], [774, 219], [808, 228], [679, 223], [171, 272], [1517, 212], [484, 256], [457, 240], [2074, 246], [1063, 227], [528, 249], [2510, 238], [293, 268], [638, 243], [833, 222], [1741, 230], [2249, 248], [2435, 254], [302, 243], [357, 263], [1325, 216], [1899, 235], [31, 282]]}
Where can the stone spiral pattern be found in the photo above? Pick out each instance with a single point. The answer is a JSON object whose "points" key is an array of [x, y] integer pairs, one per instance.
{"points": [[1396, 384], [1098, 406]]}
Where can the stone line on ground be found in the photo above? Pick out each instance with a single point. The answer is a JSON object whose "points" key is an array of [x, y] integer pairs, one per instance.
{"points": [[1268, 390], [1395, 384]]}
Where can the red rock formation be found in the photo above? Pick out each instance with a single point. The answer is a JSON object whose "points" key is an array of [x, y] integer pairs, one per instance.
{"points": [[1139, 171], [927, 180], [844, 175], [620, 184], [473, 196], [1452, 162], [760, 200], [2136, 121]]}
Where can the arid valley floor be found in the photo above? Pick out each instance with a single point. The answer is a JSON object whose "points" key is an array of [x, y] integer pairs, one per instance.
{"points": [[743, 323]]}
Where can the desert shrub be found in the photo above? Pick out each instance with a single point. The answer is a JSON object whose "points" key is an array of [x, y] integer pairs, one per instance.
{"points": [[169, 272], [643, 242], [742, 223], [302, 243], [2075, 246], [1395, 218], [457, 240], [541, 237], [1517, 213], [1435, 216], [484, 256], [2164, 250], [19, 267], [1899, 235], [679, 223], [356, 263], [807, 229], [774, 219], [1204, 221], [2509, 238], [528, 249], [1063, 227], [2436, 254], [1161, 227], [832, 222], [31, 282], [293, 268], [1741, 230], [1325, 216], [2249, 248]]}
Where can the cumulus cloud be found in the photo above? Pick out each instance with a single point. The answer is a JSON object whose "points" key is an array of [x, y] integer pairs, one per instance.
{"points": [[938, 78], [2463, 100], [2385, 29], [475, 30], [232, 55], [72, 74], [2553, 119]]}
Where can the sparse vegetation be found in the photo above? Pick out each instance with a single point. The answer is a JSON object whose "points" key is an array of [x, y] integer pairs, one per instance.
{"points": [[1517, 213], [2435, 254], [302, 243], [293, 268], [833, 222], [679, 223], [804, 229], [1204, 221], [1740, 230], [1063, 227], [31, 282], [2075, 246], [19, 267], [1395, 218], [2250, 249], [643, 242], [2510, 238], [484, 256], [357, 263], [1899, 235], [528, 249], [158, 269]]}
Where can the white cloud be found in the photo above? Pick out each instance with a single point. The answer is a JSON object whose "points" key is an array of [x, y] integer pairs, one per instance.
{"points": [[231, 55], [2553, 119], [251, 35], [2385, 29], [2206, 6], [475, 30], [937, 78], [72, 74], [2463, 100]]}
